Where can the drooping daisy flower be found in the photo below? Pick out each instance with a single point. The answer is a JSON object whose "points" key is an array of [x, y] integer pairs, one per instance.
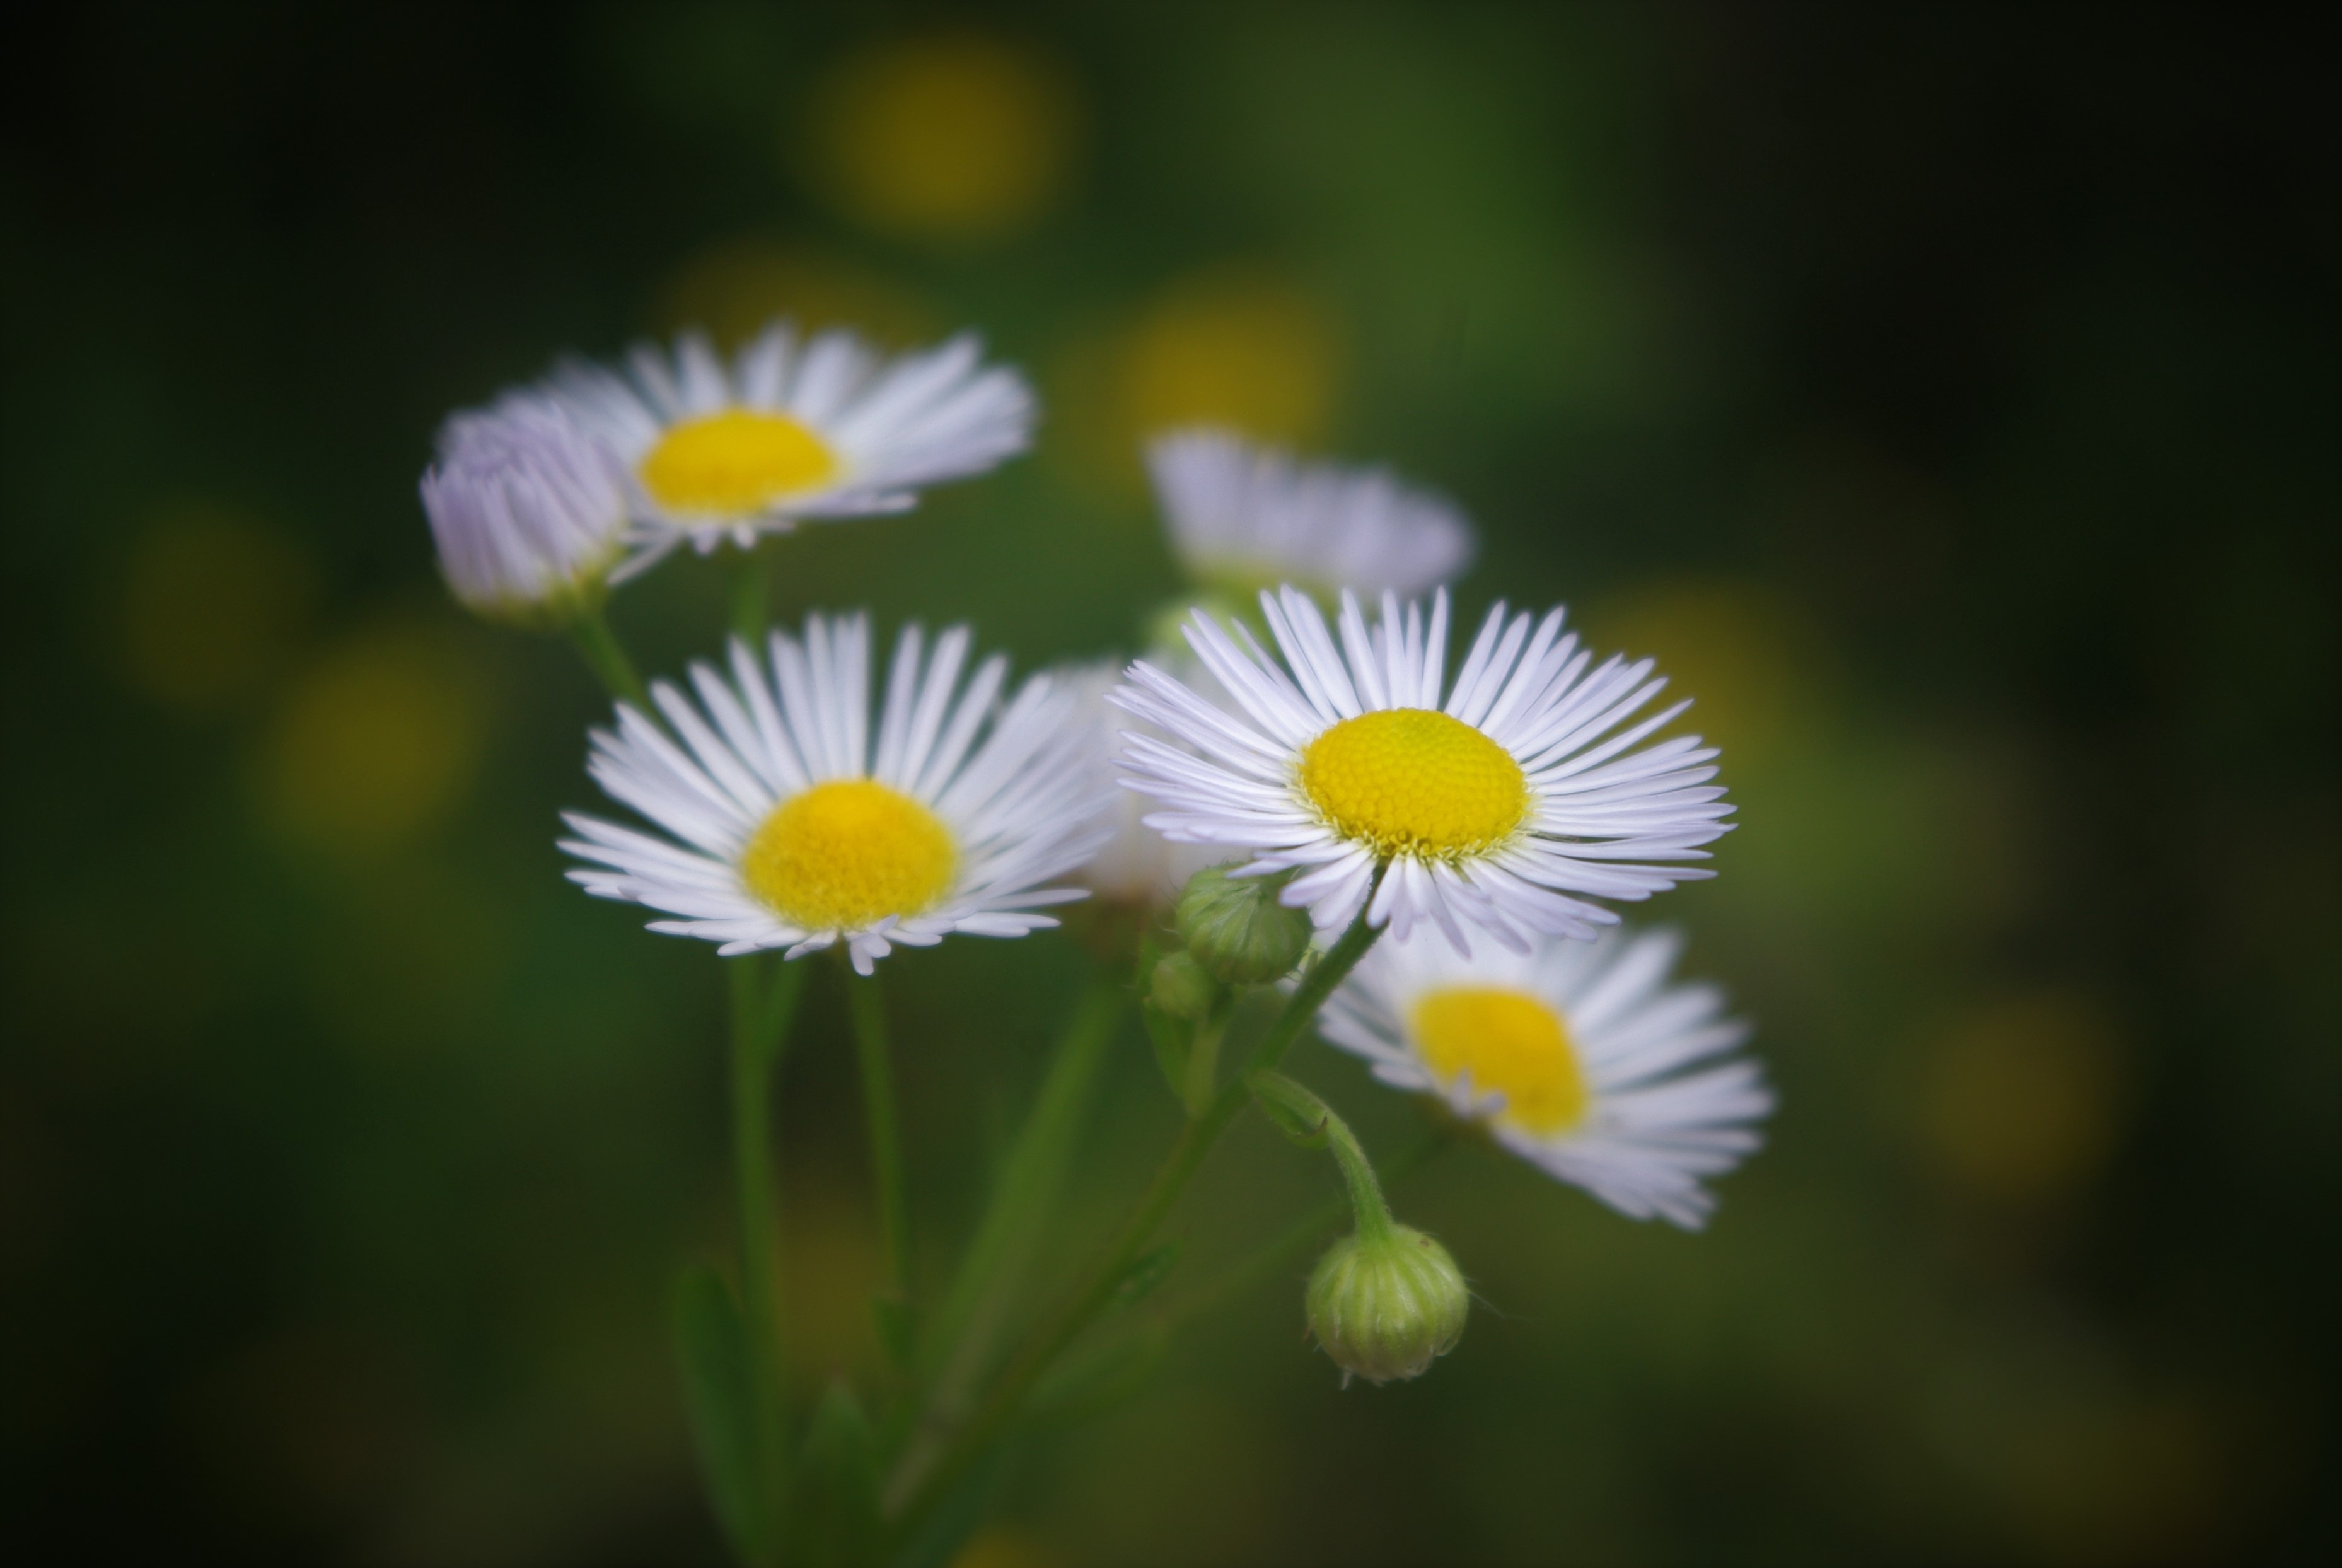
{"points": [[1578, 1057], [528, 511], [789, 830], [1508, 807], [1244, 518], [1136, 865], [823, 427]]}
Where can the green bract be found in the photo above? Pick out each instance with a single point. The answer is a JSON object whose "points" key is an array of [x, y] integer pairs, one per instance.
{"points": [[1235, 928], [1386, 1306]]}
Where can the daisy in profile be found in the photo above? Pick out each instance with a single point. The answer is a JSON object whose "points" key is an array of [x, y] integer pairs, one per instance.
{"points": [[529, 512], [1244, 518], [1505, 802], [1578, 1057], [788, 829], [790, 428]]}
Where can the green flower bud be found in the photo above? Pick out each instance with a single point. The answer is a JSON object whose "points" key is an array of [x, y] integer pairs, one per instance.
{"points": [[1180, 987], [1383, 1308], [1237, 930]]}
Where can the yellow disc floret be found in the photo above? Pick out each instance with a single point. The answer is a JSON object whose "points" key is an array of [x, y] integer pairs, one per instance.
{"points": [[735, 462], [1510, 1043], [1412, 781], [844, 855]]}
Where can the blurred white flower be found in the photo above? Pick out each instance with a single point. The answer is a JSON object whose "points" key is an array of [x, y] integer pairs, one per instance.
{"points": [[528, 511], [1244, 518]]}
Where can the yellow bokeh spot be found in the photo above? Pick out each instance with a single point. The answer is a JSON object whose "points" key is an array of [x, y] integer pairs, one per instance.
{"points": [[734, 463], [2023, 1097], [1413, 781], [212, 602], [375, 743], [1759, 664], [1234, 349], [1509, 1043], [847, 854], [1002, 1547], [954, 138], [735, 290]]}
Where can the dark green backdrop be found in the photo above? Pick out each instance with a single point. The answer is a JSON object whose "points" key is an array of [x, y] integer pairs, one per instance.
{"points": [[1947, 399]]}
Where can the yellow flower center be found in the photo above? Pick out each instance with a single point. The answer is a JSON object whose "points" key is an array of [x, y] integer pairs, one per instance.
{"points": [[1409, 780], [735, 462], [1512, 1044], [847, 854]]}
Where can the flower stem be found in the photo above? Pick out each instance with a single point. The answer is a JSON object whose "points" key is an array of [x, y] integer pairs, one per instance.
{"points": [[748, 606], [1309, 1229], [760, 1021], [1179, 1166], [886, 1134], [598, 641]]}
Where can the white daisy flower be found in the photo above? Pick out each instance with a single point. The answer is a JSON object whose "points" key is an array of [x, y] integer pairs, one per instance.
{"points": [[1507, 808], [527, 509], [790, 833], [1248, 517], [823, 427], [1577, 1057], [1136, 865]]}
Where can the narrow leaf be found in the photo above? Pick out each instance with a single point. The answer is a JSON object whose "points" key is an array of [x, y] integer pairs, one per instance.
{"points": [[1173, 1039], [837, 1525], [1092, 1386], [1140, 1279], [897, 1329], [711, 1343]]}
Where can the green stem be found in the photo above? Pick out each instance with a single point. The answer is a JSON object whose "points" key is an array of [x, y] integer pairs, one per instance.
{"points": [[959, 1341], [598, 641], [749, 613], [760, 1021], [1179, 1166], [885, 1135], [1368, 1213], [1296, 1240], [1204, 1057], [1307, 1230]]}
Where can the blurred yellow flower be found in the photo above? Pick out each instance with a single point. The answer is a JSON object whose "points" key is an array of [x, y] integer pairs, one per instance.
{"points": [[375, 744], [212, 601], [1002, 1547], [1237, 346], [952, 137], [2023, 1098], [1755, 664], [1233, 348], [734, 289]]}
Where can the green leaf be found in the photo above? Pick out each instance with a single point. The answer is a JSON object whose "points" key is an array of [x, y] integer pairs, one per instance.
{"points": [[711, 1341], [1140, 1279], [1092, 1386], [959, 1333], [1290, 1108], [897, 1328], [1173, 1039], [838, 1523]]}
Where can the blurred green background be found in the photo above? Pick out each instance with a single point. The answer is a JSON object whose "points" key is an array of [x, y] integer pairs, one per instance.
{"points": [[1948, 397]]}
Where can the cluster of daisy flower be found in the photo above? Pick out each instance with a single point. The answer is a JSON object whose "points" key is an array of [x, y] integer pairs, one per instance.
{"points": [[1423, 859]]}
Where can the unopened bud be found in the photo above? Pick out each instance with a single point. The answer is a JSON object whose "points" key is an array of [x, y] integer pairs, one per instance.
{"points": [[1180, 987], [1237, 930], [1385, 1308]]}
